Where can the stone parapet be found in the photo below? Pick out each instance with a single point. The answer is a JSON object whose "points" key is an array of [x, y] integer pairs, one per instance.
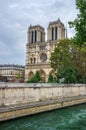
{"points": [[18, 98]]}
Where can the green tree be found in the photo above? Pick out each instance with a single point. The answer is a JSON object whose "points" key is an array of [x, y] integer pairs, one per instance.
{"points": [[35, 79], [67, 75], [51, 79], [68, 55], [18, 76], [61, 57], [80, 64], [37, 75], [80, 23]]}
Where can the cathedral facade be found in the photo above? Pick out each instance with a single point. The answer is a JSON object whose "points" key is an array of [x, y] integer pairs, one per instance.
{"points": [[38, 51]]}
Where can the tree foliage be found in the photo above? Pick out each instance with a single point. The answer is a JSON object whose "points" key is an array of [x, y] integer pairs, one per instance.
{"points": [[35, 79], [80, 62], [67, 75], [66, 56], [61, 57], [51, 79], [18, 76], [80, 23]]}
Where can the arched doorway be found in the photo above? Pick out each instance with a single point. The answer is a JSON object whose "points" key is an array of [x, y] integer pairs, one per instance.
{"points": [[43, 76], [30, 75], [52, 72]]}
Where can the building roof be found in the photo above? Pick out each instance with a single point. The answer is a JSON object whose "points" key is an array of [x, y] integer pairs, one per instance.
{"points": [[56, 22], [35, 26], [12, 65]]}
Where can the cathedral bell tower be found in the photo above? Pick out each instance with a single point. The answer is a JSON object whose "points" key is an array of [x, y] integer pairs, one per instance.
{"points": [[36, 34], [35, 51], [55, 31]]}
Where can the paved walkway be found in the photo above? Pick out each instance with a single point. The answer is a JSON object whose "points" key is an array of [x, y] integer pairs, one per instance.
{"points": [[41, 103]]}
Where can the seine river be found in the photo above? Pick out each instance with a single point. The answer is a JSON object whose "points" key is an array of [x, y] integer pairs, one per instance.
{"points": [[71, 118]]}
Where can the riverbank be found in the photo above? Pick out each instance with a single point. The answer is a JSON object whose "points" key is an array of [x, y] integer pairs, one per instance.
{"points": [[25, 99], [69, 118]]}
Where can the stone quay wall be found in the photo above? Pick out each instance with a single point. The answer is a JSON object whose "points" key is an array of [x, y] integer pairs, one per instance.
{"points": [[20, 99]]}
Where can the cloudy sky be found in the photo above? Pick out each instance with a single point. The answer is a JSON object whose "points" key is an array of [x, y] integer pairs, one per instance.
{"points": [[17, 15]]}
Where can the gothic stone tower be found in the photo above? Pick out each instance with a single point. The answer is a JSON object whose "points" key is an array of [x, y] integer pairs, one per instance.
{"points": [[38, 51]]}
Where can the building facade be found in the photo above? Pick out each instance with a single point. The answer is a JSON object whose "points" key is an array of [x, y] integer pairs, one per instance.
{"points": [[12, 72], [38, 51]]}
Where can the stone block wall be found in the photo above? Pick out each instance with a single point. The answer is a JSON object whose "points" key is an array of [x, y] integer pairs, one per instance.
{"points": [[20, 93]]}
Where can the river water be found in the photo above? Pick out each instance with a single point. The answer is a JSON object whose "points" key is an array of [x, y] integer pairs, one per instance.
{"points": [[71, 118]]}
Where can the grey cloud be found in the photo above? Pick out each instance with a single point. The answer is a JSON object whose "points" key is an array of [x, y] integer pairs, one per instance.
{"points": [[16, 16]]}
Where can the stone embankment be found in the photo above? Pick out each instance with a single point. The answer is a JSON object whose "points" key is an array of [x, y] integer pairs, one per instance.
{"points": [[21, 99]]}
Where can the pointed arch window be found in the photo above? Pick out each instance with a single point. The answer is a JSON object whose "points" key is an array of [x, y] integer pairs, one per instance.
{"points": [[31, 60], [32, 37], [35, 36], [34, 60], [55, 33], [41, 36], [52, 33]]}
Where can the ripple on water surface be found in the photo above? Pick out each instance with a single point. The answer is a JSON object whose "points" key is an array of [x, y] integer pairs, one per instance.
{"points": [[71, 118]]}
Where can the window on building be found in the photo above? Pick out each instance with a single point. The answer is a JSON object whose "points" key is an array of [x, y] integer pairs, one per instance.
{"points": [[32, 37], [34, 60], [41, 37], [31, 60], [35, 36], [55, 33], [52, 33]]}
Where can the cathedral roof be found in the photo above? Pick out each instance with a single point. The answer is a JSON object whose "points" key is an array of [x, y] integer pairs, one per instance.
{"points": [[56, 22], [36, 26]]}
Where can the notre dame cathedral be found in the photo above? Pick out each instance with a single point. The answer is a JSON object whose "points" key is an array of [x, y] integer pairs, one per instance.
{"points": [[38, 51]]}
